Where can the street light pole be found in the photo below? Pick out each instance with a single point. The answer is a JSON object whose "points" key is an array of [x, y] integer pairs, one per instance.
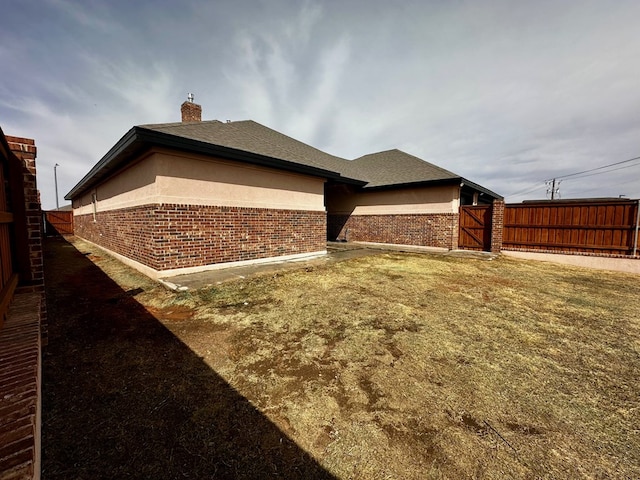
{"points": [[55, 179]]}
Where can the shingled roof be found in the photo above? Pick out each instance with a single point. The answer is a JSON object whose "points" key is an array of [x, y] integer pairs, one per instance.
{"points": [[250, 136], [252, 142], [395, 167]]}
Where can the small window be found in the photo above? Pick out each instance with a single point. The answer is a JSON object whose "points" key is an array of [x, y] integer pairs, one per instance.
{"points": [[94, 201]]}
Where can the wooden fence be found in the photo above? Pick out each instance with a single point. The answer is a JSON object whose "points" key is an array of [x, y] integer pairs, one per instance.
{"points": [[600, 227], [59, 222]]}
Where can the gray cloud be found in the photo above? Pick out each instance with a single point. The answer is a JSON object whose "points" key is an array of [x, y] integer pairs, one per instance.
{"points": [[507, 94]]}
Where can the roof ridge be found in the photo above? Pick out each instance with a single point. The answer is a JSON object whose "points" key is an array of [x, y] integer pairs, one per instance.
{"points": [[281, 146], [408, 155], [176, 124]]}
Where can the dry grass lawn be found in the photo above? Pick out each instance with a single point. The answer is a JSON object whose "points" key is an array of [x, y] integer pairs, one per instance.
{"points": [[411, 366]]}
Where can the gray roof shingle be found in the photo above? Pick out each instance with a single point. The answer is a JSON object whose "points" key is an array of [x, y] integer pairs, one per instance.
{"points": [[250, 136], [395, 167], [246, 138], [392, 167]]}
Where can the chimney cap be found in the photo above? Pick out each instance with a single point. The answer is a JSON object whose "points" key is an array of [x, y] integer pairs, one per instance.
{"points": [[190, 97]]}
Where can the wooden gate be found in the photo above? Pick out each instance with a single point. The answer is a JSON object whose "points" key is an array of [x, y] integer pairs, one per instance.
{"points": [[8, 277], [59, 222], [475, 227]]}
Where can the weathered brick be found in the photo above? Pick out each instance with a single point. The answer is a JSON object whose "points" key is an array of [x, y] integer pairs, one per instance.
{"points": [[171, 236], [432, 229]]}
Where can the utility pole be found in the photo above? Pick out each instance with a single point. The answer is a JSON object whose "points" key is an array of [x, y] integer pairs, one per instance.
{"points": [[55, 179], [552, 189]]}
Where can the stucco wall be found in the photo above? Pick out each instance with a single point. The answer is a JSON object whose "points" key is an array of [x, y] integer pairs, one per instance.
{"points": [[198, 181], [406, 201], [164, 177]]}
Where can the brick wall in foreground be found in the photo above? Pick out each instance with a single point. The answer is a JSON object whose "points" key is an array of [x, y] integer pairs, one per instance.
{"points": [[166, 237], [20, 382], [432, 229], [29, 247]]}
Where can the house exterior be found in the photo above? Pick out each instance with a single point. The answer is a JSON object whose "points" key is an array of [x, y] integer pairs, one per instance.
{"points": [[181, 197]]}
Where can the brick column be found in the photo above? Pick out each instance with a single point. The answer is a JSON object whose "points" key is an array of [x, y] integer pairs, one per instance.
{"points": [[32, 273], [497, 224], [455, 232]]}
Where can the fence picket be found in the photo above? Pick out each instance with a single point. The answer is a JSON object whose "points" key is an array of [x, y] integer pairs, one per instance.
{"points": [[599, 227]]}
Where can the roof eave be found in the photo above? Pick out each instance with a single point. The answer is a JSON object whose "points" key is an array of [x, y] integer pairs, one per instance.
{"points": [[480, 188], [461, 181], [120, 151], [421, 183]]}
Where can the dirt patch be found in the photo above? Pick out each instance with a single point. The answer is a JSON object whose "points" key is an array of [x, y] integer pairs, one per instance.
{"points": [[524, 429], [173, 313]]}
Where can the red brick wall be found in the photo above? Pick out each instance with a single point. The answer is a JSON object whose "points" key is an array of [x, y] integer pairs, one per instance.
{"points": [[497, 224], [166, 237], [129, 231], [24, 332], [432, 229], [32, 275]]}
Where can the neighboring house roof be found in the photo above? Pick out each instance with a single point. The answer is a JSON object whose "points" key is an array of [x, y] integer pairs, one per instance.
{"points": [[251, 142]]}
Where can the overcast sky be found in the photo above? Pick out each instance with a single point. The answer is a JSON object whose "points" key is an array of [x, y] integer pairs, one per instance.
{"points": [[504, 93]]}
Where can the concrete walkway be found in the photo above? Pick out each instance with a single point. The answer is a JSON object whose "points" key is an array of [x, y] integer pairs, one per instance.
{"points": [[336, 252], [339, 251], [626, 265], [215, 277]]}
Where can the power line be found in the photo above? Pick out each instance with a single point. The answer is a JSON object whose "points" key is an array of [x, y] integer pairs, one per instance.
{"points": [[527, 190], [598, 168], [545, 182], [600, 173]]}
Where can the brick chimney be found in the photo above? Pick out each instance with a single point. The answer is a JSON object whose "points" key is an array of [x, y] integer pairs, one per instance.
{"points": [[191, 112]]}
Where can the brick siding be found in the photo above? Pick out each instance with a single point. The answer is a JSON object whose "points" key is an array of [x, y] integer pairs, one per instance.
{"points": [[431, 230], [20, 388], [165, 237], [33, 274], [24, 332], [497, 225]]}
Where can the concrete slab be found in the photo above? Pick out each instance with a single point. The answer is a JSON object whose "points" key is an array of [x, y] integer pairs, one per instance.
{"points": [[215, 277], [336, 252]]}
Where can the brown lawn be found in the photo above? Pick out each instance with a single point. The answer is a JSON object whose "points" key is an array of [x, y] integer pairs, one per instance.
{"points": [[400, 366]]}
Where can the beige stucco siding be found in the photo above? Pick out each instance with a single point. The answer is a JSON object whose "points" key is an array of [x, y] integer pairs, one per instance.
{"points": [[441, 199], [164, 177], [131, 187], [196, 181]]}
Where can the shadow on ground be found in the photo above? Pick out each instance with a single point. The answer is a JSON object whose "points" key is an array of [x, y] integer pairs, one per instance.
{"points": [[124, 398]]}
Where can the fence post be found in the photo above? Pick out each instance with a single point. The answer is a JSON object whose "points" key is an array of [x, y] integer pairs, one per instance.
{"points": [[635, 242]]}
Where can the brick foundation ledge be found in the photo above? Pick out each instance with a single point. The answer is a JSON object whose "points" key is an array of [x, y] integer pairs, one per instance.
{"points": [[20, 388], [159, 274], [399, 246]]}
